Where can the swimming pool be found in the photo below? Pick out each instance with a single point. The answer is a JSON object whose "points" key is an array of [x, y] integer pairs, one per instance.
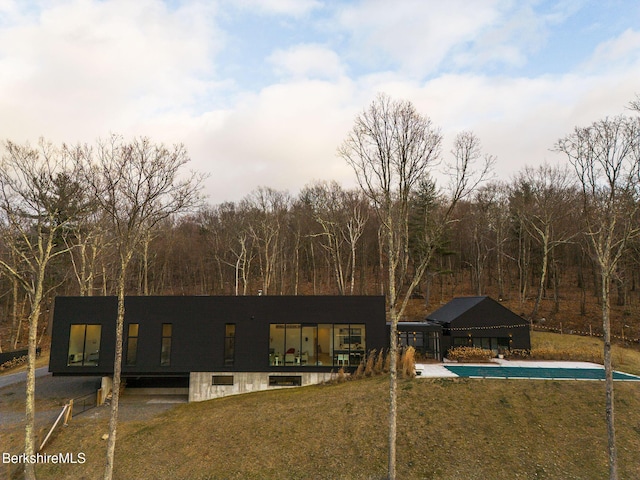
{"points": [[542, 373]]}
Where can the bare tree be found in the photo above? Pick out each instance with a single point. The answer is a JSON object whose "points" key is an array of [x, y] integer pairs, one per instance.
{"points": [[37, 201], [487, 222], [543, 205], [137, 185], [606, 158], [342, 218], [392, 148], [266, 208], [227, 228]]}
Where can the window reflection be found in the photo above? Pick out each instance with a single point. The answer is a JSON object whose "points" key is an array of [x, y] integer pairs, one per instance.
{"points": [[84, 345], [316, 344], [165, 352], [132, 344]]}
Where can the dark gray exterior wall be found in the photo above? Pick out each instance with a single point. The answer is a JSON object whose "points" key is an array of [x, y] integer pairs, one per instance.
{"points": [[480, 317], [198, 329]]}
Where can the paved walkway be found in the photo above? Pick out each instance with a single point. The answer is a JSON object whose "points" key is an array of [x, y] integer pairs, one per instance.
{"points": [[13, 378]]}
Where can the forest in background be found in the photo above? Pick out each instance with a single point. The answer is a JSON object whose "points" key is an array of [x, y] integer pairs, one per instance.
{"points": [[121, 218], [521, 241]]}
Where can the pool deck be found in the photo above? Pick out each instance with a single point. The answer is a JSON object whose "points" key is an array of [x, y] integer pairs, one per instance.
{"points": [[508, 369]]}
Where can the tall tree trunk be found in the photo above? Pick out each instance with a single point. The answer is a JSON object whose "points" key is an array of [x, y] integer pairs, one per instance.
{"points": [[393, 353], [117, 370], [30, 401], [145, 264], [608, 369], [556, 284], [15, 324], [543, 274]]}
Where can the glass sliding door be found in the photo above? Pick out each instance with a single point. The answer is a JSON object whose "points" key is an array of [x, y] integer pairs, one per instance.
{"points": [[276, 344], [325, 344], [357, 343], [292, 344], [309, 345]]}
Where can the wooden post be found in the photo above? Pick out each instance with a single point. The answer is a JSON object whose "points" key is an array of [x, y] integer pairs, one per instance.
{"points": [[69, 414], [560, 328]]}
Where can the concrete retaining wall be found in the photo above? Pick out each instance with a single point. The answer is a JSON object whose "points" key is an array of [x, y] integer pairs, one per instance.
{"points": [[201, 387]]}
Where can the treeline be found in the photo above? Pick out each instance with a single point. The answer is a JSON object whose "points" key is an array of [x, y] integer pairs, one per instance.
{"points": [[522, 239]]}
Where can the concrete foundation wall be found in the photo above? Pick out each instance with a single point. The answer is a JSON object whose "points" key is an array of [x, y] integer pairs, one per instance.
{"points": [[201, 387]]}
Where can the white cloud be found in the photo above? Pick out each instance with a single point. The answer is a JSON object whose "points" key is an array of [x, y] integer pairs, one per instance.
{"points": [[102, 66], [286, 135], [283, 137], [307, 61], [79, 69], [413, 34], [294, 8], [617, 53]]}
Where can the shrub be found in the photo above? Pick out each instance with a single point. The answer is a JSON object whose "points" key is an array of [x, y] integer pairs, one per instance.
{"points": [[380, 362], [370, 363], [359, 373], [469, 354], [408, 363], [387, 364], [517, 354]]}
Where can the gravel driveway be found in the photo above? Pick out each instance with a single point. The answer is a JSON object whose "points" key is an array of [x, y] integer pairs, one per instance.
{"points": [[53, 392]]}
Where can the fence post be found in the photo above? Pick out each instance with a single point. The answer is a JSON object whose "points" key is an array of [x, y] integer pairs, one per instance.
{"points": [[69, 414]]}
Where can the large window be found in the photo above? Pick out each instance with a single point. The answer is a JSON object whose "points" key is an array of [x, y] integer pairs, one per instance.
{"points": [[294, 344], [84, 345], [132, 343], [426, 343], [284, 344], [349, 344], [496, 345], [165, 352]]}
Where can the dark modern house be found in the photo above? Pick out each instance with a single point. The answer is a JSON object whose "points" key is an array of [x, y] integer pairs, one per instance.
{"points": [[465, 321], [218, 345], [222, 345], [480, 322]]}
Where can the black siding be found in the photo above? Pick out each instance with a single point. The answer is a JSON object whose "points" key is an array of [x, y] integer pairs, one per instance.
{"points": [[198, 330]]}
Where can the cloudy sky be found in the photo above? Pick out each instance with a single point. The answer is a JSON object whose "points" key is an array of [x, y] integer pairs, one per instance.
{"points": [[262, 92]]}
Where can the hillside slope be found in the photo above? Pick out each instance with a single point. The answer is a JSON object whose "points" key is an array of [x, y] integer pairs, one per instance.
{"points": [[448, 429]]}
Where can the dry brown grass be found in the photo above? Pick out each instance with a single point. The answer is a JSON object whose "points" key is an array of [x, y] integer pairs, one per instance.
{"points": [[448, 429], [553, 346]]}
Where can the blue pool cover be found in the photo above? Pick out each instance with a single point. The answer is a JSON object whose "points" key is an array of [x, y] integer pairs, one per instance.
{"points": [[473, 371]]}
